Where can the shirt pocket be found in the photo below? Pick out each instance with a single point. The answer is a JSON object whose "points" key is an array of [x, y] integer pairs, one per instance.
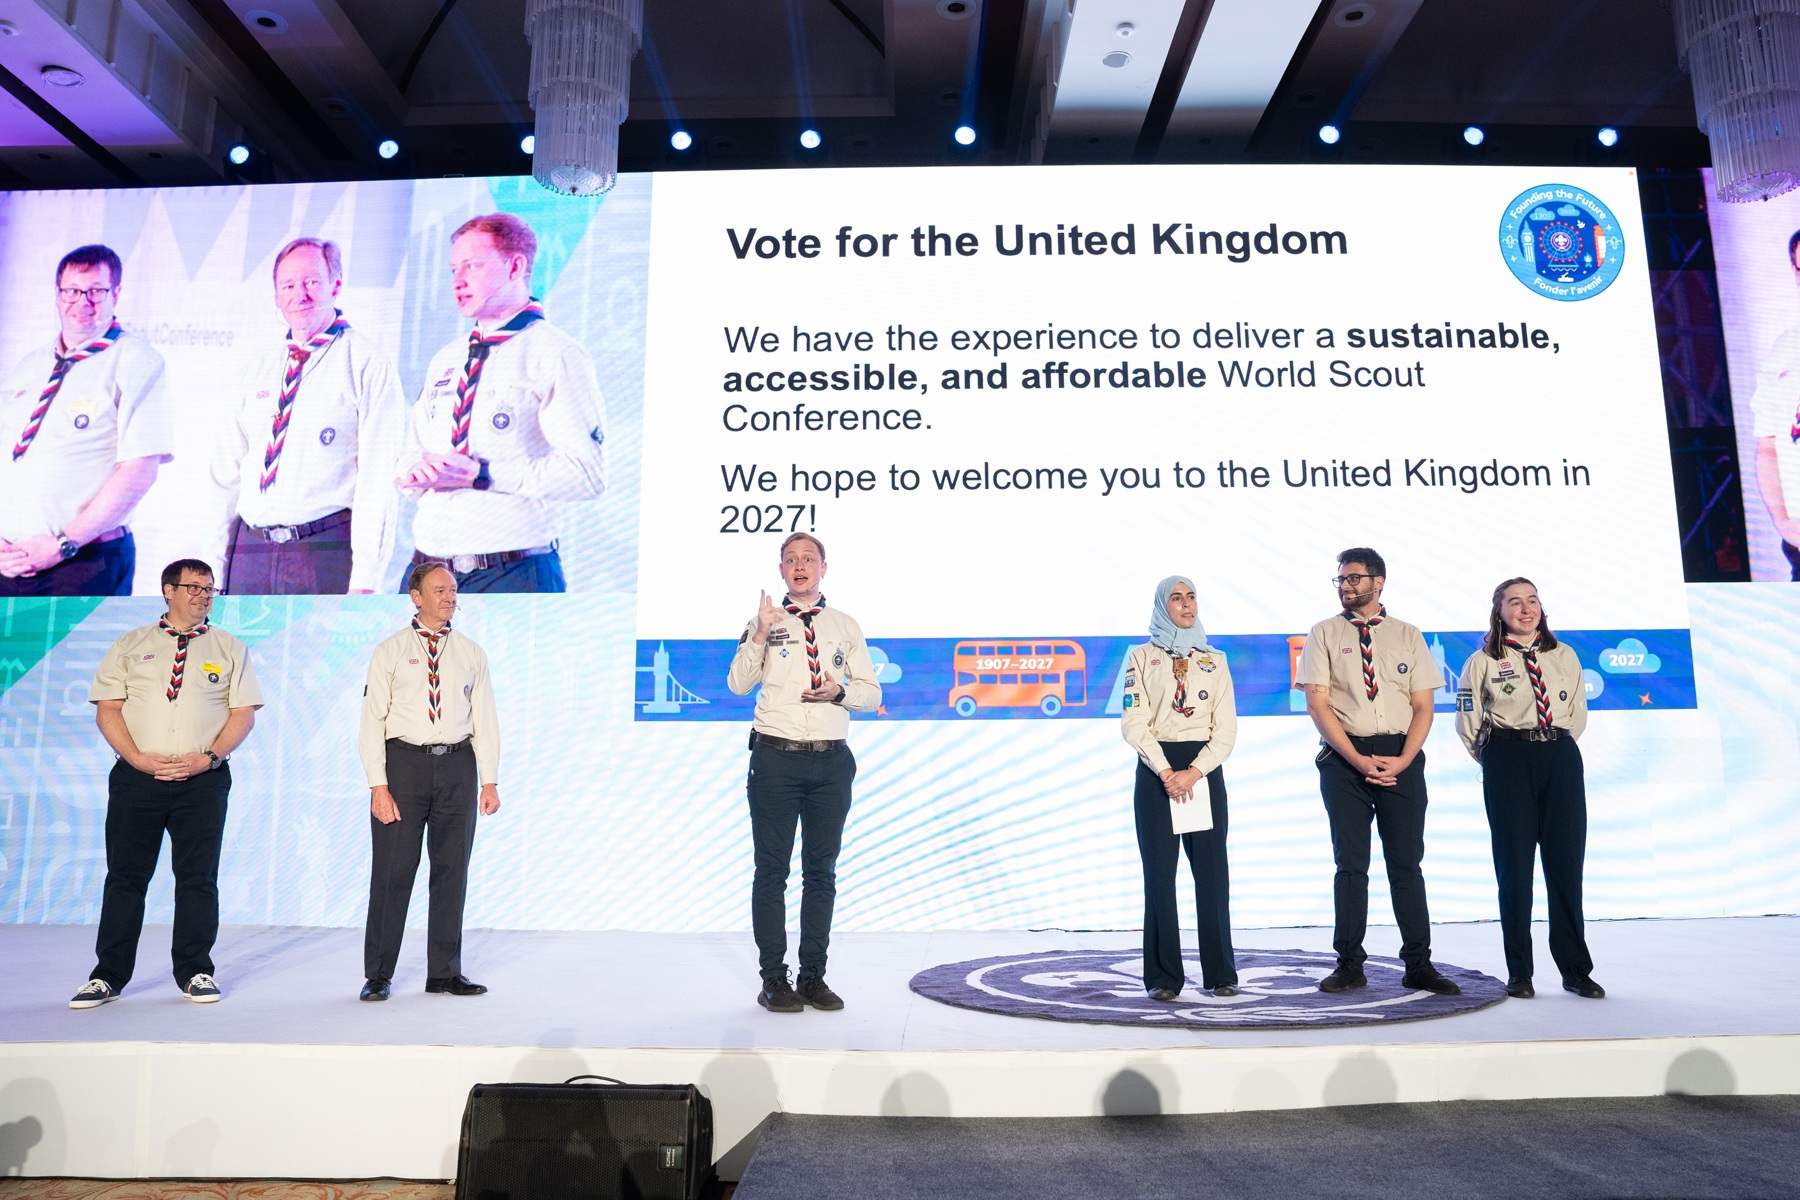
{"points": [[1393, 669]]}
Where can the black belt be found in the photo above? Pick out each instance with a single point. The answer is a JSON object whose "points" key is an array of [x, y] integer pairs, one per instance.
{"points": [[281, 534], [1552, 734], [462, 564], [432, 748], [775, 743]]}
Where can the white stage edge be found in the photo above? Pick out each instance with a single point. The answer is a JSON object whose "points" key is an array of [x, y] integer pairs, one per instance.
{"points": [[270, 1098]]}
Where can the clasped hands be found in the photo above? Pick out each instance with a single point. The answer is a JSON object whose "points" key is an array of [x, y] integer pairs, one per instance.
{"points": [[171, 768], [439, 473], [1380, 770], [1181, 784]]}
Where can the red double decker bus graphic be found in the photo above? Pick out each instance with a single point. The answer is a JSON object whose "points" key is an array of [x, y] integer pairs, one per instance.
{"points": [[1040, 673]]}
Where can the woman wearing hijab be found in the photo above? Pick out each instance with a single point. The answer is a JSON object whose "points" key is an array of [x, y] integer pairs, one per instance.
{"points": [[1181, 718], [1520, 705]]}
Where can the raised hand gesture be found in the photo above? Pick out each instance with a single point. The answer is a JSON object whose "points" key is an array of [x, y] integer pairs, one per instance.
{"points": [[767, 613]]}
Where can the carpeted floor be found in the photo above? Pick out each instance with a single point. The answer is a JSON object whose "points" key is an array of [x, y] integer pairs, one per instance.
{"points": [[112, 1189], [1649, 1148]]}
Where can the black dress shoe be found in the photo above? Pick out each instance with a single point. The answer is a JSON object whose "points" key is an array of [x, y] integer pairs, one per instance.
{"points": [[812, 990], [455, 985], [375, 989], [1225, 990], [1519, 987], [778, 995], [1585, 987], [1166, 995], [1343, 979], [1427, 979]]}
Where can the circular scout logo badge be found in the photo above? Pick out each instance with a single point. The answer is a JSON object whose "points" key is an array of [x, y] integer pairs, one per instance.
{"points": [[81, 420], [502, 420], [1561, 242], [327, 436]]}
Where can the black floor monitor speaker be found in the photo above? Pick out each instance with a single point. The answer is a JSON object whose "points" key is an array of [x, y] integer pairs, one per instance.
{"points": [[578, 1141]]}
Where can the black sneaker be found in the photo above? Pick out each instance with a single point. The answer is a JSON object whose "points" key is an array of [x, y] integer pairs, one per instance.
{"points": [[1519, 987], [1585, 987], [1344, 978], [1427, 979], [814, 991], [778, 995]]}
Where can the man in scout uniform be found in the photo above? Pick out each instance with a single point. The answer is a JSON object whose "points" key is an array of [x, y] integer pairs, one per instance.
{"points": [[814, 668], [430, 744], [173, 699], [88, 414], [306, 465], [1369, 681], [508, 427]]}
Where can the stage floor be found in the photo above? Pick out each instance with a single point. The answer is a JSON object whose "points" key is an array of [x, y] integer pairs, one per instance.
{"points": [[291, 1076], [1727, 976]]}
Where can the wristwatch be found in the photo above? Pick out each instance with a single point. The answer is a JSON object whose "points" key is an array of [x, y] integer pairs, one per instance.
{"points": [[217, 762], [483, 480], [67, 546]]}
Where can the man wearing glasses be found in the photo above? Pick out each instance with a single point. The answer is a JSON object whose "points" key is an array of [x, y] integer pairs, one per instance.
{"points": [[173, 699], [508, 427], [307, 466], [1369, 681], [89, 423]]}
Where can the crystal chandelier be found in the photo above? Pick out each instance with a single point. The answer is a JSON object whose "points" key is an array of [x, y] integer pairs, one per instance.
{"points": [[581, 52], [1744, 57]]}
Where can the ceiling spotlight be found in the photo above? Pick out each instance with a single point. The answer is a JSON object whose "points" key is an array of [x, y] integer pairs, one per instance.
{"points": [[681, 139], [1474, 135], [528, 144], [388, 148], [1117, 58], [810, 139], [238, 154], [1609, 137], [61, 77], [261, 20], [1125, 29], [965, 135], [1329, 134]]}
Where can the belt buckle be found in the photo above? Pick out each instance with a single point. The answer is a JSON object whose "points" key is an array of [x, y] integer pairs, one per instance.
{"points": [[437, 748], [279, 534], [462, 564]]}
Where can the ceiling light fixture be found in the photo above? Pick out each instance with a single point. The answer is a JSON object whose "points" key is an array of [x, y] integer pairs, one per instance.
{"points": [[1117, 58], [1608, 137], [238, 154], [965, 135], [1329, 134], [810, 139], [528, 144], [388, 148], [1474, 135], [61, 77], [581, 52], [261, 20], [681, 139], [1744, 59]]}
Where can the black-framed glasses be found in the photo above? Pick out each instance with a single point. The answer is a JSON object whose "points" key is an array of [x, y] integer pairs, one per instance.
{"points": [[201, 589], [96, 294], [1352, 580]]}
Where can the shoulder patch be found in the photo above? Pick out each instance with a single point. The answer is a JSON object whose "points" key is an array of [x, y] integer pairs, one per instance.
{"points": [[744, 637]]}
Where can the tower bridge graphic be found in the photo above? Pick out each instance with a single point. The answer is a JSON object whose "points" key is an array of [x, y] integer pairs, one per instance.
{"points": [[667, 695]]}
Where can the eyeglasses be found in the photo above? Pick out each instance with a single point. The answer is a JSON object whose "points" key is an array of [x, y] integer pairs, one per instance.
{"points": [[1352, 580], [96, 294], [200, 589]]}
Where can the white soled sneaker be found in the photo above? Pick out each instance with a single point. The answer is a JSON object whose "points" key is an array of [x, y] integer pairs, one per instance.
{"points": [[201, 989], [93, 994]]}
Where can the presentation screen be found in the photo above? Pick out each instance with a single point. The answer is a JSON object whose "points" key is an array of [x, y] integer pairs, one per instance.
{"points": [[1006, 402]]}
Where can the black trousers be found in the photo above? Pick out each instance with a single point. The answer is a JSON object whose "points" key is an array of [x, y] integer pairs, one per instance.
{"points": [[1536, 798], [438, 797], [1399, 813], [139, 809], [811, 790], [1160, 849], [98, 569], [312, 566]]}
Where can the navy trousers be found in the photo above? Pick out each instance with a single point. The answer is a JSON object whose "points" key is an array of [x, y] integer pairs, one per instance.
{"points": [[811, 790], [1536, 798], [1399, 813], [1160, 849]]}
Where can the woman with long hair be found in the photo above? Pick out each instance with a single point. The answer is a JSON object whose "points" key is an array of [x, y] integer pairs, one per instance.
{"points": [[1520, 706]]}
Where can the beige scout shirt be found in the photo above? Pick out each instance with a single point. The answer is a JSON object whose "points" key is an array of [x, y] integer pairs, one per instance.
{"points": [[538, 421], [780, 666], [112, 408], [1403, 665], [216, 679], [396, 702], [1149, 716], [1775, 407], [344, 436], [1497, 692]]}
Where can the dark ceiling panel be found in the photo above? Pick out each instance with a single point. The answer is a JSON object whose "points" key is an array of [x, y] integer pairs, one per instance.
{"points": [[1528, 62]]}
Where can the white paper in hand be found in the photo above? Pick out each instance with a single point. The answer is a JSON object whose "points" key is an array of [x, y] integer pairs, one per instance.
{"points": [[1195, 816]]}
